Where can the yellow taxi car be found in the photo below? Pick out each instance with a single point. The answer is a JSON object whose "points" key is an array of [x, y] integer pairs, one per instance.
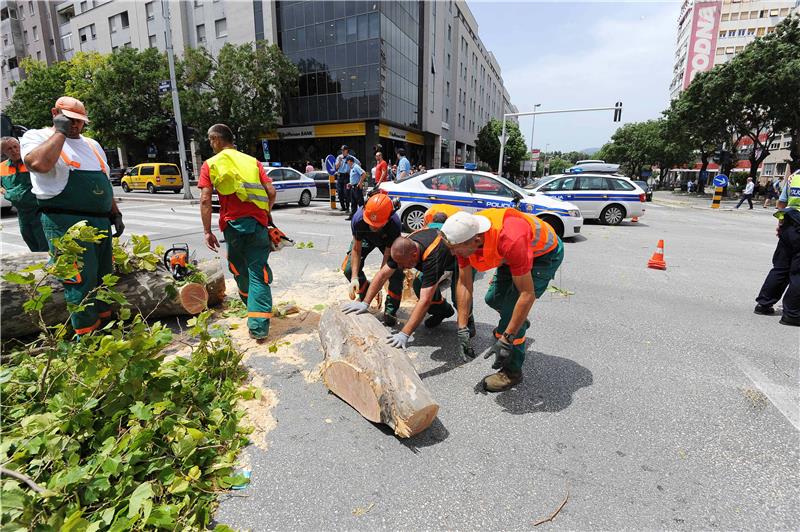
{"points": [[153, 177]]}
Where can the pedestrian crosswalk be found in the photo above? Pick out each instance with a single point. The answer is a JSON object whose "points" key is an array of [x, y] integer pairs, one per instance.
{"points": [[159, 221]]}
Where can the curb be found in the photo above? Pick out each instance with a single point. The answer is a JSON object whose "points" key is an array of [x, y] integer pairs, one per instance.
{"points": [[325, 211], [123, 199]]}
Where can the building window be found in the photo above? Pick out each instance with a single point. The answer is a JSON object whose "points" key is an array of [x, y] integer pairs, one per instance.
{"points": [[38, 56], [769, 168], [112, 24], [124, 18], [84, 6], [447, 63], [221, 28], [35, 33], [731, 33], [148, 9], [751, 32], [198, 3], [12, 63], [30, 8], [780, 169], [152, 41], [449, 32], [447, 89], [760, 32], [201, 34], [742, 32], [25, 36]]}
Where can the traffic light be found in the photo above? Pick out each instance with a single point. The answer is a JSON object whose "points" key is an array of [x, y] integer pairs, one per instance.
{"points": [[618, 112]]}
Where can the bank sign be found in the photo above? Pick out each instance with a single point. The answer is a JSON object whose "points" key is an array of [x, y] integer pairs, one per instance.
{"points": [[703, 39]]}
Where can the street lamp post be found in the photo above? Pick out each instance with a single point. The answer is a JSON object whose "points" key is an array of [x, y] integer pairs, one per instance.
{"points": [[533, 128]]}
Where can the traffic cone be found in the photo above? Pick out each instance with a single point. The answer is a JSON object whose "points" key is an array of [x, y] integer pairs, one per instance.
{"points": [[634, 219], [656, 262]]}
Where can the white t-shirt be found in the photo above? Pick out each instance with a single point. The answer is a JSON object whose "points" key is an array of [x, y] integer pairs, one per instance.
{"points": [[46, 185]]}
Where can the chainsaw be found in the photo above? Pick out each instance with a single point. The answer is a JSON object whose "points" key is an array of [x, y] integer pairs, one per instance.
{"points": [[277, 238], [176, 260]]}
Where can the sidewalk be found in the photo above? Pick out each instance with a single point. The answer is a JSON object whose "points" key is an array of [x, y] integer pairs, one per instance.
{"points": [[693, 201]]}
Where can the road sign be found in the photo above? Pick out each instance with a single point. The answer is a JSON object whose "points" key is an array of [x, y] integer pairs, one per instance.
{"points": [[721, 180], [152, 151], [265, 147], [535, 153], [330, 164], [164, 86]]}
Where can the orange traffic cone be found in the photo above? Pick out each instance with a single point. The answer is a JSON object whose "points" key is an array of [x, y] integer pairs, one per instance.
{"points": [[635, 219], [656, 262]]}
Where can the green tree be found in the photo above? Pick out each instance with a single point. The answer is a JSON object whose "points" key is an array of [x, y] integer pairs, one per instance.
{"points": [[575, 156], [557, 165], [674, 148], [634, 146], [35, 95], [787, 80], [244, 87], [487, 145]]}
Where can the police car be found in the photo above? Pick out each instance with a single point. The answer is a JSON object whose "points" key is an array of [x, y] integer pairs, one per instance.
{"points": [[290, 186], [600, 193], [474, 191]]}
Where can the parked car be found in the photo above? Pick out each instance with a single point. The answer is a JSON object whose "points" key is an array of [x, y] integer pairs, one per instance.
{"points": [[115, 175], [153, 177], [648, 190], [474, 191], [608, 198], [323, 184], [290, 185]]}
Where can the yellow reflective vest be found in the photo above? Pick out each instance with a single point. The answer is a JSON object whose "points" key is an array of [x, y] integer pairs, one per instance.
{"points": [[233, 172]]}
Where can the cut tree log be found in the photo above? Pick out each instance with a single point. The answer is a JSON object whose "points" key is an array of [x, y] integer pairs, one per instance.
{"points": [[146, 291], [379, 381]]}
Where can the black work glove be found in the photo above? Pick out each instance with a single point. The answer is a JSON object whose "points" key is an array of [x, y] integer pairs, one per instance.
{"points": [[465, 349], [62, 124], [502, 352], [119, 227]]}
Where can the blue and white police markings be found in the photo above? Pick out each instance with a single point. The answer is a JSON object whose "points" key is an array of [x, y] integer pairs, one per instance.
{"points": [[330, 164], [721, 181]]}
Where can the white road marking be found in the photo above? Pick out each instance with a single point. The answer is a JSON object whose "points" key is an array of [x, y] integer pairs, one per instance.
{"points": [[15, 247], [783, 397], [314, 234]]}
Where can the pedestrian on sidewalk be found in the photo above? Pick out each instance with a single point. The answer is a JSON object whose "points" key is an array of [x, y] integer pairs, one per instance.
{"points": [[356, 185], [246, 197], [785, 273], [403, 164], [774, 189], [343, 167], [749, 189], [69, 177], [381, 169], [309, 167], [16, 187]]}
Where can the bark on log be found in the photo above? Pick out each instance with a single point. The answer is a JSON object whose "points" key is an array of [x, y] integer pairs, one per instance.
{"points": [[379, 381], [146, 292]]}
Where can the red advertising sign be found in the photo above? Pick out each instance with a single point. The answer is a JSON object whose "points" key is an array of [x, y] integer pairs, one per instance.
{"points": [[535, 154], [702, 40]]}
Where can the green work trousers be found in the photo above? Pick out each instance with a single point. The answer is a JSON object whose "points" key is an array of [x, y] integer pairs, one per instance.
{"points": [[395, 291], [30, 227], [502, 296], [248, 252], [97, 262]]}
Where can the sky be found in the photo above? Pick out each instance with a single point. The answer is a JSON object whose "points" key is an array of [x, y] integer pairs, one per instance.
{"points": [[584, 54]]}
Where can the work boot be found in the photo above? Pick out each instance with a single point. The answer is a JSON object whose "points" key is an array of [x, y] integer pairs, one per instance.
{"points": [[764, 310], [502, 380], [389, 320], [259, 339], [436, 319], [471, 326], [785, 320]]}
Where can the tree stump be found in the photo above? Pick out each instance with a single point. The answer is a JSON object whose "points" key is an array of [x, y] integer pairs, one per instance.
{"points": [[147, 292], [379, 381]]}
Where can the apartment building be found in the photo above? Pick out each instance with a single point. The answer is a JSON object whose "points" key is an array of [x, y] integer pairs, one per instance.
{"points": [[712, 32]]}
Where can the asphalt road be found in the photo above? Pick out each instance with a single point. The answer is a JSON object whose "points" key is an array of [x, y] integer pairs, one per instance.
{"points": [[654, 399]]}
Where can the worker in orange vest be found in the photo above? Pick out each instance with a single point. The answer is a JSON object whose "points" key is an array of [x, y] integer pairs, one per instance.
{"points": [[16, 187], [526, 253]]}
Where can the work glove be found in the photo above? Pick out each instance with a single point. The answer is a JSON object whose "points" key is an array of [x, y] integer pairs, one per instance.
{"points": [[502, 352], [399, 340], [62, 124], [355, 307], [355, 284], [119, 227], [465, 349]]}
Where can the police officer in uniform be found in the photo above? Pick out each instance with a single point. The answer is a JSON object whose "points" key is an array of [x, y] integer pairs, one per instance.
{"points": [[69, 176], [785, 273]]}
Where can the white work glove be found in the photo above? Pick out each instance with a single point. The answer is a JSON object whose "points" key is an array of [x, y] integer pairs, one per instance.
{"points": [[399, 340], [355, 307], [354, 286]]}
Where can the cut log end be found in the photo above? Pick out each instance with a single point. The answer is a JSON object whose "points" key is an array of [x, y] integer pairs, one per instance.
{"points": [[418, 422], [194, 298], [354, 388]]}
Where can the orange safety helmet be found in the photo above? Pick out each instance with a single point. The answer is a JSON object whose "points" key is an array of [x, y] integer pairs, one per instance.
{"points": [[378, 210]]}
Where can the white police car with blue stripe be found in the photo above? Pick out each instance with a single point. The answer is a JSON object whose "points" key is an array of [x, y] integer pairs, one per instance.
{"points": [[473, 191]]}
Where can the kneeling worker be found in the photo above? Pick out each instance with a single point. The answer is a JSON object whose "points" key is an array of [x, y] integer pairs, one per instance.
{"points": [[374, 226], [16, 182], [246, 196], [526, 253], [69, 176]]}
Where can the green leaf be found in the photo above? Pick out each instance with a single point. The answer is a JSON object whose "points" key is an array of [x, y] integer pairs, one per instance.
{"points": [[110, 279], [108, 515], [179, 487], [144, 492], [194, 473], [74, 522], [319, 307], [141, 411], [17, 278]]}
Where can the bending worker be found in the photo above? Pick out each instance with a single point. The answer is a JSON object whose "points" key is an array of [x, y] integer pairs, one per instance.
{"points": [[374, 226], [16, 182], [246, 197], [69, 177], [526, 253]]}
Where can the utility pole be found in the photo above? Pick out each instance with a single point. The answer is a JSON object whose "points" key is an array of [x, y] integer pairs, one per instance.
{"points": [[533, 128], [617, 117], [176, 105]]}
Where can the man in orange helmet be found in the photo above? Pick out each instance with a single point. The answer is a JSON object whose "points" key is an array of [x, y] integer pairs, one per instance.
{"points": [[526, 252], [374, 226]]}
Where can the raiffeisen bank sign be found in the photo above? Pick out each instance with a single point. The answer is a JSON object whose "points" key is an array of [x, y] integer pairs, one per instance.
{"points": [[703, 39]]}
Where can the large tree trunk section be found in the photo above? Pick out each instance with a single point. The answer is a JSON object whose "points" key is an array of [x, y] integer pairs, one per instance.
{"points": [[379, 381], [147, 292]]}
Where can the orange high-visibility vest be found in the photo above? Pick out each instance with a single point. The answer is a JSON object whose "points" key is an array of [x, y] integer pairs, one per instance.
{"points": [[435, 209], [544, 240]]}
